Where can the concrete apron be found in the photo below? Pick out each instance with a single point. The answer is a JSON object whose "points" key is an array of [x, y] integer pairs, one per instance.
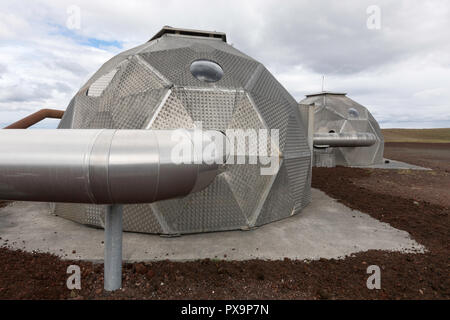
{"points": [[325, 229], [393, 164]]}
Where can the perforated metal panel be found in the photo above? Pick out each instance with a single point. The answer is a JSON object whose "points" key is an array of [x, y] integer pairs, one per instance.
{"points": [[213, 107], [279, 203], [139, 107], [151, 87]]}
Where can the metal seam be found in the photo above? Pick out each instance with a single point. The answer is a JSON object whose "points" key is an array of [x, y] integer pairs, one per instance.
{"points": [[107, 168]]}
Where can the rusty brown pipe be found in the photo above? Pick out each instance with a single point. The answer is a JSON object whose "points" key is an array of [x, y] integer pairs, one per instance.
{"points": [[35, 118]]}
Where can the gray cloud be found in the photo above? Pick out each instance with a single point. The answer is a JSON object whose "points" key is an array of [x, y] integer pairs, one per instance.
{"points": [[29, 92], [332, 37], [3, 70], [67, 65], [399, 71]]}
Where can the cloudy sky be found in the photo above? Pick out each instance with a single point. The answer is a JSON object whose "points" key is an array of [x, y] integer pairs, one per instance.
{"points": [[396, 63]]}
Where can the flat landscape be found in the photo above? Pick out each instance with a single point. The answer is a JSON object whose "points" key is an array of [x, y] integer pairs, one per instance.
{"points": [[441, 135], [410, 200]]}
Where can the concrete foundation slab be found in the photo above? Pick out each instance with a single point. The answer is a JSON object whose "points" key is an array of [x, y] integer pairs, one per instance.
{"points": [[393, 164], [325, 229]]}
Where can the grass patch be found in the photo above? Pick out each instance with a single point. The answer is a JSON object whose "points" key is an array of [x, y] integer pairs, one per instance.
{"points": [[441, 135]]}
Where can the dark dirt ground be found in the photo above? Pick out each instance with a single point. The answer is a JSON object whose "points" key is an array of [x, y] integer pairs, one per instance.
{"points": [[415, 202], [430, 155]]}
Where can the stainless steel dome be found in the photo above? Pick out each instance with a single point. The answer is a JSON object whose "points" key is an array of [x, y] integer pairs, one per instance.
{"points": [[337, 113], [156, 86]]}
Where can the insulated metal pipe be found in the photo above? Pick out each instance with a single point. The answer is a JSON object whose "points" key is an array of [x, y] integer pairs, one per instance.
{"points": [[358, 139], [106, 166], [35, 118]]}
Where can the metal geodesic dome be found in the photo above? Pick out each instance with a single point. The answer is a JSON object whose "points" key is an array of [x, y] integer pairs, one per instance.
{"points": [[337, 113], [157, 86]]}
